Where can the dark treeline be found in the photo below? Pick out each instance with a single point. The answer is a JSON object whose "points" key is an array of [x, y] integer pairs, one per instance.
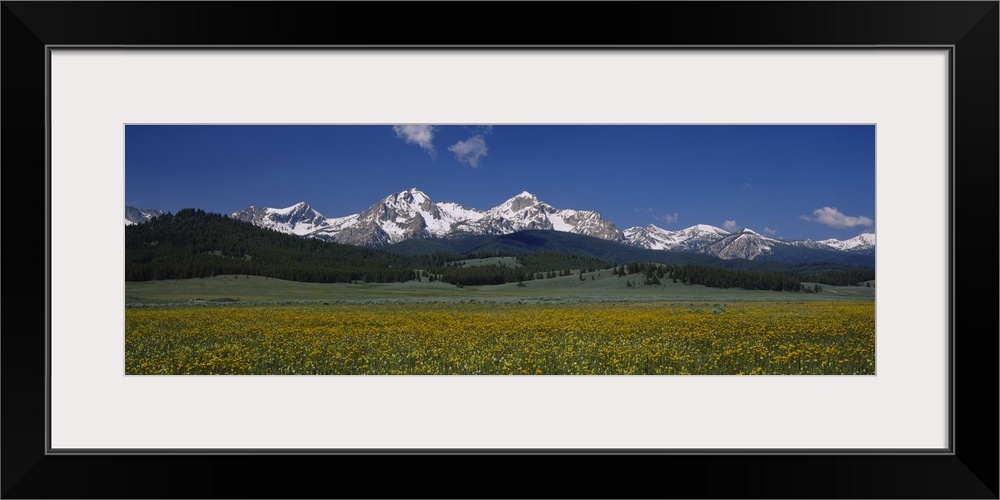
{"points": [[728, 278], [196, 244], [480, 275], [840, 277], [540, 262], [789, 278], [532, 266], [816, 272]]}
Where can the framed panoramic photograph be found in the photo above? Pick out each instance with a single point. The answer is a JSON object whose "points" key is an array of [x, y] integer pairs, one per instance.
{"points": [[232, 266], [695, 254]]}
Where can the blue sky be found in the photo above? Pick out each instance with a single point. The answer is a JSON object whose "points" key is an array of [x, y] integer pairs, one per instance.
{"points": [[791, 182]]}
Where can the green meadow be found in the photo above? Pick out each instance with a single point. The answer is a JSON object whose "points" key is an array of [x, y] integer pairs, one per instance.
{"points": [[598, 286]]}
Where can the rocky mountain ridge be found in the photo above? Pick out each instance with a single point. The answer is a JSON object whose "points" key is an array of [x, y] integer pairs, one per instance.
{"points": [[412, 214]]}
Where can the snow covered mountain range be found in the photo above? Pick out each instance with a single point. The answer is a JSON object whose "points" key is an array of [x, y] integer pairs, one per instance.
{"points": [[412, 214]]}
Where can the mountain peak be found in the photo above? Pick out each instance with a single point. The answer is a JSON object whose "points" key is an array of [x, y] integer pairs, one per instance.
{"points": [[750, 232], [298, 219], [298, 207], [407, 197], [517, 203], [705, 228]]}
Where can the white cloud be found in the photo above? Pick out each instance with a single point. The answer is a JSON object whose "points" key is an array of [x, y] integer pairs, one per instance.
{"points": [[770, 231], [832, 217], [421, 135], [730, 225], [470, 150], [655, 215]]}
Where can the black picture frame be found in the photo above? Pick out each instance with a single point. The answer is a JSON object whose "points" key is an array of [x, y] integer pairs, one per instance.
{"points": [[969, 28]]}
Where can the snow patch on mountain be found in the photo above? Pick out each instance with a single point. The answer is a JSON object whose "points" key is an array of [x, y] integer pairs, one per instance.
{"points": [[299, 219], [861, 242], [689, 239], [454, 212], [140, 216], [746, 244]]}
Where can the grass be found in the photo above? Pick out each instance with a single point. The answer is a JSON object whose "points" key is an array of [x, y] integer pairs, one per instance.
{"points": [[604, 287]]}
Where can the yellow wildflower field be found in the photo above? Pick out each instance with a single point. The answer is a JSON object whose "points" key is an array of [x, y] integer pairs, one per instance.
{"points": [[659, 338]]}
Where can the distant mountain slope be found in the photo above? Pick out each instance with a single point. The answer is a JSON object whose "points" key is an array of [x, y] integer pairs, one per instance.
{"points": [[749, 245], [745, 244], [140, 216], [411, 215], [691, 239], [860, 243], [297, 219], [523, 242]]}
